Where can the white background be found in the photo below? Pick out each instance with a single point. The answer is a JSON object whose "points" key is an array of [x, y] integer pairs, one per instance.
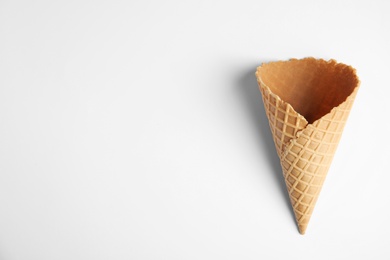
{"points": [[135, 130]]}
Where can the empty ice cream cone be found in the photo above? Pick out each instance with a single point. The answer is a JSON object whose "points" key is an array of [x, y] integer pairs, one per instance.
{"points": [[307, 103]]}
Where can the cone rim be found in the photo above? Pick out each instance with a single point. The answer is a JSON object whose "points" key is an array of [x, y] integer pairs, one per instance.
{"points": [[330, 61]]}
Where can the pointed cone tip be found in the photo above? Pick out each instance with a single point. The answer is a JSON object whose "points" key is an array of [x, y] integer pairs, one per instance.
{"points": [[302, 229]]}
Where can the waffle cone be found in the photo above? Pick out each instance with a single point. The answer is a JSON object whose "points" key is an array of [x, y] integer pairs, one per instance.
{"points": [[307, 103]]}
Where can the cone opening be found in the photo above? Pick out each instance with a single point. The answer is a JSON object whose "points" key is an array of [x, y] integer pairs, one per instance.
{"points": [[313, 87]]}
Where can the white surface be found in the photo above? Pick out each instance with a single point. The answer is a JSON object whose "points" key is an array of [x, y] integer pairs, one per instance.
{"points": [[135, 130]]}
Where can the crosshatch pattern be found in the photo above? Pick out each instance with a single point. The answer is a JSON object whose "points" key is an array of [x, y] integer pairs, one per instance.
{"points": [[305, 150]]}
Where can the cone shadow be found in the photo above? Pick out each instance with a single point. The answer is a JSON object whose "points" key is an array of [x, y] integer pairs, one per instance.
{"points": [[251, 98]]}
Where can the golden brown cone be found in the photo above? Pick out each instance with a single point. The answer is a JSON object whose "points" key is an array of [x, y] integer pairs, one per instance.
{"points": [[307, 103]]}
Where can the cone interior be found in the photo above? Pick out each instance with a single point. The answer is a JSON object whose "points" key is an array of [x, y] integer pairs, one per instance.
{"points": [[311, 86]]}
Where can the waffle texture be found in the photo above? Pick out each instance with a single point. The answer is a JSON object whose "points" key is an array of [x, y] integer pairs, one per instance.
{"points": [[305, 148]]}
